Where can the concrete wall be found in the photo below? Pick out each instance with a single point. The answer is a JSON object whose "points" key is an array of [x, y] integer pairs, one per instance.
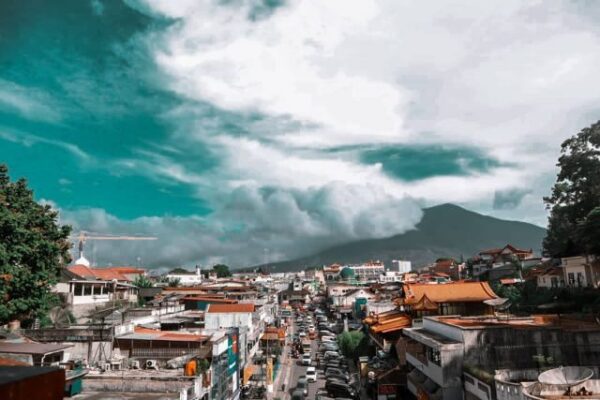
{"points": [[100, 383]]}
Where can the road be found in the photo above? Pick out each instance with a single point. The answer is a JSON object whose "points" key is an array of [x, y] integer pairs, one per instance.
{"points": [[297, 371]]}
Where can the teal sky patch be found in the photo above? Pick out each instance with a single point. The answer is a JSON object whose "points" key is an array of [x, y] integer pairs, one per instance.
{"points": [[76, 77], [421, 162]]}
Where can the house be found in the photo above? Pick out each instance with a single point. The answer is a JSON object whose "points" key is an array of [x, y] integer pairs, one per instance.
{"points": [[505, 254], [580, 271], [85, 288], [551, 278], [494, 258], [464, 298], [447, 266]]}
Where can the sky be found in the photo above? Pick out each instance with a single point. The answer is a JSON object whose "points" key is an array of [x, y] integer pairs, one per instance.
{"points": [[248, 131]]}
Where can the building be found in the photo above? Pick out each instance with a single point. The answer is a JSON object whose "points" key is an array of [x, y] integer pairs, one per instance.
{"points": [[242, 317], [186, 278], [580, 271], [551, 278], [401, 266], [454, 355], [369, 271], [85, 288], [464, 298]]}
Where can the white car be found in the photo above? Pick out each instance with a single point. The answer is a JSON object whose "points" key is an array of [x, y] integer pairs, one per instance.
{"points": [[311, 374], [306, 359], [302, 334]]}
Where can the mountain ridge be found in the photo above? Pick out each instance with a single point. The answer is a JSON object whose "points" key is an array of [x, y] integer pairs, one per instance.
{"points": [[446, 230]]}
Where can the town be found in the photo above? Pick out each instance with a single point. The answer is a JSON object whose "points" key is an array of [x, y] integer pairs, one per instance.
{"points": [[362, 331], [299, 200]]}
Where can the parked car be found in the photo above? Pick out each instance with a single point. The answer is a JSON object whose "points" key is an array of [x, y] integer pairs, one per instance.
{"points": [[334, 370], [340, 389], [338, 377], [311, 374], [322, 395], [298, 394], [302, 385]]}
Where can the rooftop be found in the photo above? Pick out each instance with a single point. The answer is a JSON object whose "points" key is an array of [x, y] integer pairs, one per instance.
{"points": [[31, 348], [230, 308], [448, 292], [565, 322]]}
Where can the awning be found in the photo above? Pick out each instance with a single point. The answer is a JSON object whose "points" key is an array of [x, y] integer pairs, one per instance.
{"points": [[248, 372]]}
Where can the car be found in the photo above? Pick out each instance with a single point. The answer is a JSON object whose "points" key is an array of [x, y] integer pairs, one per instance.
{"points": [[338, 377], [302, 334], [322, 395], [298, 394], [334, 370], [327, 338], [332, 354], [336, 363], [306, 359], [302, 385], [340, 389], [311, 374]]}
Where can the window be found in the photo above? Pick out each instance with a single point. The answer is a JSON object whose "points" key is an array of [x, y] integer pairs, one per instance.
{"points": [[571, 279], [580, 280], [434, 356], [87, 290], [97, 290]]}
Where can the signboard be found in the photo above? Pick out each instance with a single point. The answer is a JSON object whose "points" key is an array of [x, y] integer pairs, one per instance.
{"points": [[387, 389]]}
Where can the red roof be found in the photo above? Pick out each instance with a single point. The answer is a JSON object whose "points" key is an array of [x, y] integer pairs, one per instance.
{"points": [[230, 308], [106, 273]]}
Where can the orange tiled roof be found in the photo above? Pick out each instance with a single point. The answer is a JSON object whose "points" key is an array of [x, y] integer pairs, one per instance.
{"points": [[402, 321], [107, 274], [449, 292], [230, 308]]}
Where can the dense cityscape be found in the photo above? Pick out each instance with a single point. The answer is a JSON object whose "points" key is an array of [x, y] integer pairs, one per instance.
{"points": [[299, 200]]}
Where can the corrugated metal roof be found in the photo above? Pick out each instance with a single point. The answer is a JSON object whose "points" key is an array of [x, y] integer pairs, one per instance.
{"points": [[32, 348]]}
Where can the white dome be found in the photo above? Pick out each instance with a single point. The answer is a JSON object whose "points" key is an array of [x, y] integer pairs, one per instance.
{"points": [[82, 261]]}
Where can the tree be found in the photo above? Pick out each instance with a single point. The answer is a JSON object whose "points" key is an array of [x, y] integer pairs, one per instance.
{"points": [[33, 248], [589, 232], [222, 270], [142, 281], [575, 194], [350, 342]]}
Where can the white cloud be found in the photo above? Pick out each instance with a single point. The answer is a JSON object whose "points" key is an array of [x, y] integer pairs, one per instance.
{"points": [[286, 222], [29, 102], [509, 77]]}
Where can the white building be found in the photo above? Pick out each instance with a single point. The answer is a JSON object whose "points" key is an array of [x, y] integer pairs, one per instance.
{"points": [[401, 266], [190, 278], [368, 271]]}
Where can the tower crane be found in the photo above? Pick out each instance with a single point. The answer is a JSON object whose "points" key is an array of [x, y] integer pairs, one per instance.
{"points": [[84, 236]]}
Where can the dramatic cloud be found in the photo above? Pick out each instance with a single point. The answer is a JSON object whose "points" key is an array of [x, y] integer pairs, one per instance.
{"points": [[228, 128], [284, 223]]}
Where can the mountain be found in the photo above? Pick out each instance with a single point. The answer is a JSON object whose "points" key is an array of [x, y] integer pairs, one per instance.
{"points": [[446, 230]]}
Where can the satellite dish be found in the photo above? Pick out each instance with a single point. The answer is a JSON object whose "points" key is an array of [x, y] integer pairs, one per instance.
{"points": [[496, 302], [565, 376]]}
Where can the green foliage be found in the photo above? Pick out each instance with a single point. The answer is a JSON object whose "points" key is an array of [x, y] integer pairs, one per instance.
{"points": [[351, 343], [575, 194], [589, 232], [512, 292], [142, 281], [33, 248], [222, 270]]}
